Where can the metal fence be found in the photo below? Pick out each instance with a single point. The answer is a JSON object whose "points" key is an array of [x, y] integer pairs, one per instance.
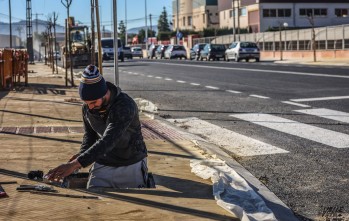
{"points": [[327, 38]]}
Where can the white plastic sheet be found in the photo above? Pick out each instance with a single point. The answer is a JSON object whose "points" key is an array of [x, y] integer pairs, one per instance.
{"points": [[232, 192]]}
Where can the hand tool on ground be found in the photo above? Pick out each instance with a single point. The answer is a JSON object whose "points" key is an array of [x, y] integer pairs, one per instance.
{"points": [[41, 188], [8, 182], [64, 195], [2, 192], [35, 175]]}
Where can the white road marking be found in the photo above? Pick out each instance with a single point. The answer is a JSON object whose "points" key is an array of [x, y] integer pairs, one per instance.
{"points": [[327, 113], [293, 103], [168, 79], [158, 77], [259, 96], [181, 82], [141, 74], [320, 135], [320, 99], [195, 84], [150, 76], [135, 73], [211, 87], [234, 92], [130, 72], [255, 70], [236, 143]]}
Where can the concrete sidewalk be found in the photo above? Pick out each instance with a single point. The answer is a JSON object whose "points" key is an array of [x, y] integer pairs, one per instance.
{"points": [[339, 62], [41, 127]]}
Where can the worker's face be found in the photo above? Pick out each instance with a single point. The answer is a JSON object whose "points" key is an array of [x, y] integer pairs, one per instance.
{"points": [[95, 104]]}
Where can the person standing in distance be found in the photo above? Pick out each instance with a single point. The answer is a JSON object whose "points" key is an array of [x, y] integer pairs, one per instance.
{"points": [[112, 140]]}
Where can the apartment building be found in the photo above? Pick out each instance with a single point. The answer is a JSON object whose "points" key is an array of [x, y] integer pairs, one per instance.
{"points": [[195, 14], [260, 15]]}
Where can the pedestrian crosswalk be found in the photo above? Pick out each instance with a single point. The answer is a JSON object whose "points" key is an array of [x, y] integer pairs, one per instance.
{"points": [[317, 134]]}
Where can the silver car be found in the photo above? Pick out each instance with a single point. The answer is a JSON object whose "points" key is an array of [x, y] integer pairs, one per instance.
{"points": [[175, 51], [242, 50]]}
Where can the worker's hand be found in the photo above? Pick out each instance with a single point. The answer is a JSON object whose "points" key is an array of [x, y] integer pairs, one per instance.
{"points": [[74, 157], [63, 170]]}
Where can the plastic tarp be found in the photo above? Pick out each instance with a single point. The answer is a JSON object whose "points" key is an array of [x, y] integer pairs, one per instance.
{"points": [[231, 191]]}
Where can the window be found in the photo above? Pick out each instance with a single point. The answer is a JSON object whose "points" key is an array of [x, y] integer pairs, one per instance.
{"points": [[319, 12], [190, 20], [341, 12], [243, 11], [183, 21], [269, 13], [231, 13], [284, 12], [203, 18]]}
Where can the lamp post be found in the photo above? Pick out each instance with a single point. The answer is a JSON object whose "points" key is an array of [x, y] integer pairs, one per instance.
{"points": [[125, 23], [281, 25], [116, 46], [146, 31]]}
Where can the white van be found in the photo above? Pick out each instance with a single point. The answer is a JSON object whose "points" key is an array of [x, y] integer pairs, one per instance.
{"points": [[108, 49]]}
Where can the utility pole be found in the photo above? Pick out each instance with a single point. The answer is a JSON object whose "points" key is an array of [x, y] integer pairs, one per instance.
{"points": [[99, 39], [116, 57], [68, 41], [29, 32], [238, 15], [146, 29], [234, 22], [93, 39], [9, 9], [177, 31], [55, 17], [125, 23], [151, 26]]}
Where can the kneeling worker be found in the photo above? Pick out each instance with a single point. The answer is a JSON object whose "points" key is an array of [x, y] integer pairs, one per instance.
{"points": [[112, 139]]}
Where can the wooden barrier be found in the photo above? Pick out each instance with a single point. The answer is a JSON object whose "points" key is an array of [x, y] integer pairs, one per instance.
{"points": [[13, 66]]}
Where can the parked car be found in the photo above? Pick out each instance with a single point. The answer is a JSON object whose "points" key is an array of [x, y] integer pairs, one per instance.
{"points": [[137, 52], [127, 53], [192, 54], [212, 51], [151, 51], [242, 50], [160, 51], [176, 51], [197, 48], [57, 55]]}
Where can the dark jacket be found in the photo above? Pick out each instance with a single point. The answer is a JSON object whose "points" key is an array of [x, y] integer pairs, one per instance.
{"points": [[113, 138]]}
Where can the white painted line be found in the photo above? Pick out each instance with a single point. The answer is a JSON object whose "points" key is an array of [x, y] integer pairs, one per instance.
{"points": [[317, 134], [259, 96], [181, 82], [254, 70], [135, 73], [238, 144], [158, 77], [211, 87], [328, 114], [168, 79], [296, 104], [130, 72], [234, 92], [195, 84], [141, 74], [150, 76], [320, 99]]}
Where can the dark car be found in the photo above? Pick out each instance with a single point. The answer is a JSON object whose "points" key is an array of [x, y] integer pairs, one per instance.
{"points": [[160, 51], [197, 49], [213, 51], [151, 50]]}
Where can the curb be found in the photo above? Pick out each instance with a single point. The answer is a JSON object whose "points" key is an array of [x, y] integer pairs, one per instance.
{"points": [[280, 209]]}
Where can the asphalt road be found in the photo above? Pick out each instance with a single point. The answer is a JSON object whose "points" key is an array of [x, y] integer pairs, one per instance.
{"points": [[305, 144]]}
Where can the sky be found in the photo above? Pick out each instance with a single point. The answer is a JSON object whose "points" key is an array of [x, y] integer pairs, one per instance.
{"points": [[80, 9]]}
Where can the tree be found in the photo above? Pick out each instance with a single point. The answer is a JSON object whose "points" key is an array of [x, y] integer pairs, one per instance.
{"points": [[122, 30], [163, 24], [141, 35]]}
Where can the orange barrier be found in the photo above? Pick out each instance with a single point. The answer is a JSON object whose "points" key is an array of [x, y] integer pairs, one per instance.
{"points": [[13, 66]]}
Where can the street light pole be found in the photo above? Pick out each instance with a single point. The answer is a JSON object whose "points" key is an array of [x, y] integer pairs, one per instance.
{"points": [[116, 55], [125, 23], [177, 22], [146, 30], [9, 8]]}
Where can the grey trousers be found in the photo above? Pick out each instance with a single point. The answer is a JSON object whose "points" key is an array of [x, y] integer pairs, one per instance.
{"points": [[132, 176]]}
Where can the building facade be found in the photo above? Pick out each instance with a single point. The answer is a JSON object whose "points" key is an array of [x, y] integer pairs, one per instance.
{"points": [[195, 14]]}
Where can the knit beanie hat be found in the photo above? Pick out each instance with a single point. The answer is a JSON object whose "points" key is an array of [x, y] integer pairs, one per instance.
{"points": [[92, 84]]}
